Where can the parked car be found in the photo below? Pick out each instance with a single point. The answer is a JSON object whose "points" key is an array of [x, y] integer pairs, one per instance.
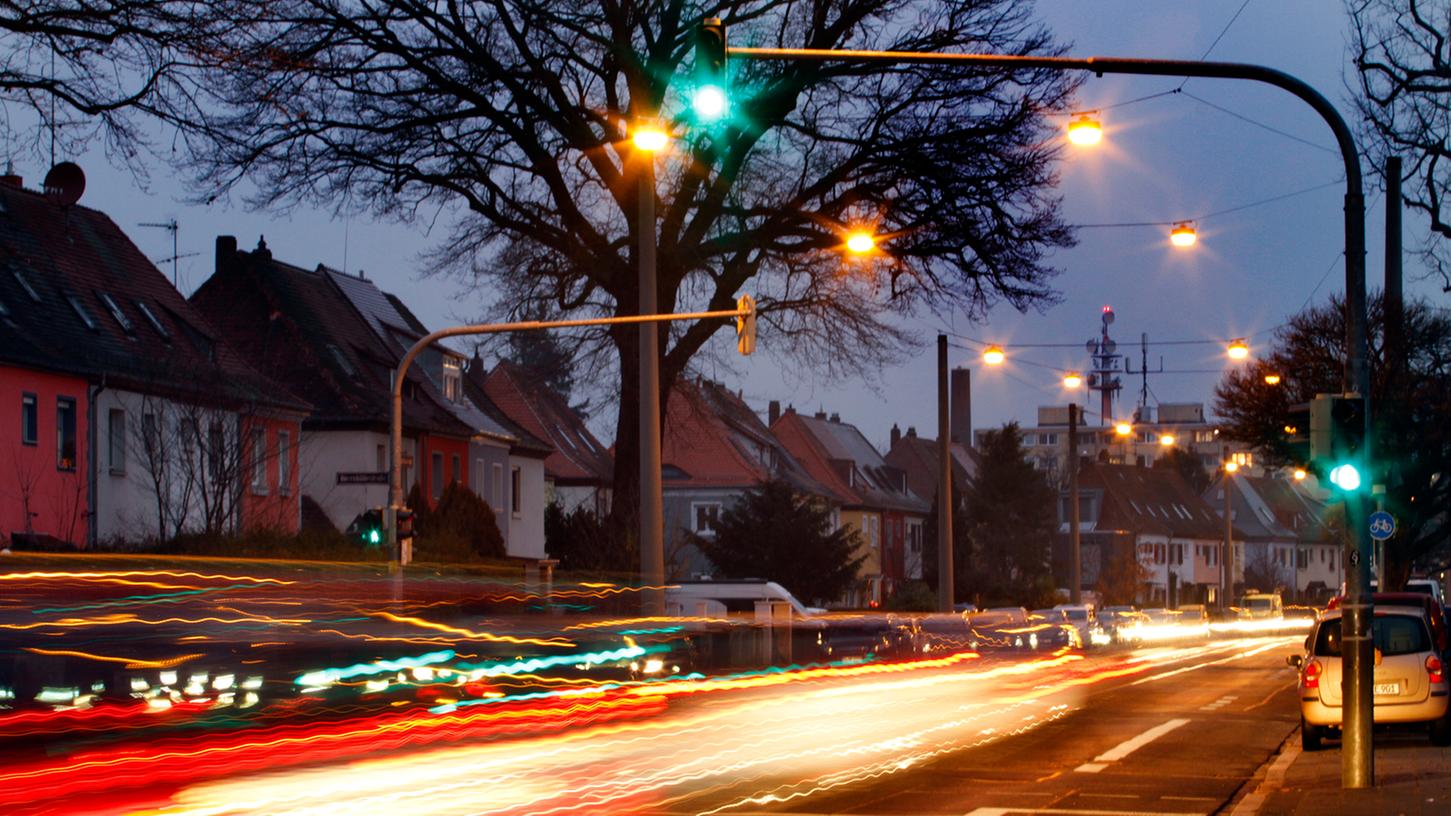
{"points": [[1261, 606], [1426, 586], [1410, 683], [1124, 624], [1085, 619], [1195, 617], [1435, 613]]}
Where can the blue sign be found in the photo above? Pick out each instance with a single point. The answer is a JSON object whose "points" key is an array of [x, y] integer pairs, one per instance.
{"points": [[1382, 525]]}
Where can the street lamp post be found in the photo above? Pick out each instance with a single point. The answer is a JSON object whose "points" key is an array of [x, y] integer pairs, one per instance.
{"points": [[1226, 556], [652, 492], [1357, 769]]}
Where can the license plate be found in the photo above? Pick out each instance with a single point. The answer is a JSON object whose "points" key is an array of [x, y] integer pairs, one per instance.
{"points": [[1387, 688]]}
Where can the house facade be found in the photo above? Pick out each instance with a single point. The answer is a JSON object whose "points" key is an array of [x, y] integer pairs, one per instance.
{"points": [[134, 419], [1287, 547], [921, 461], [878, 502]]}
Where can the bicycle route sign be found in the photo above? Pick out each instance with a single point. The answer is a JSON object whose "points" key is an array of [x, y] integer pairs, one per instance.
{"points": [[1382, 525]]}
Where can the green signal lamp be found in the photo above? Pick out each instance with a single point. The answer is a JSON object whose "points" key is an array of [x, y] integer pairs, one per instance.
{"points": [[1346, 477], [710, 103], [375, 536], [710, 100]]}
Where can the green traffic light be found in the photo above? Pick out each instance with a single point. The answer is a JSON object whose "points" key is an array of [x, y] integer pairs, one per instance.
{"points": [[374, 537], [1346, 477], [710, 103]]}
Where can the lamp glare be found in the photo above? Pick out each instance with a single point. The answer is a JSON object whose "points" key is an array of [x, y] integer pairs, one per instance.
{"points": [[709, 102], [650, 137], [1085, 130], [1238, 350], [860, 242], [1272, 379], [1183, 234], [1123, 429], [1167, 440], [994, 355], [1072, 380]]}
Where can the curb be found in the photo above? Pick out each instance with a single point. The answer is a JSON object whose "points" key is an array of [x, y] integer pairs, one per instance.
{"points": [[1269, 778]]}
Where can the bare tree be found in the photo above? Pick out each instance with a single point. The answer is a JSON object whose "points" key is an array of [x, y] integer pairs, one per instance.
{"points": [[1402, 55], [513, 117]]}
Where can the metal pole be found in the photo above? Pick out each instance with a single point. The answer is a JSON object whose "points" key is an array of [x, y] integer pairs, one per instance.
{"points": [[945, 502], [1075, 589], [652, 498], [1226, 555]]}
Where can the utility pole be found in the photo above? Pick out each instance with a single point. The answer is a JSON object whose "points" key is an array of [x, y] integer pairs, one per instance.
{"points": [[652, 500], [1075, 589], [945, 502], [1226, 557]]}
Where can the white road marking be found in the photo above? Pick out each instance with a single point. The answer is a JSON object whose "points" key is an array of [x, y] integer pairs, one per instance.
{"points": [[1220, 703], [1127, 747], [1274, 778]]}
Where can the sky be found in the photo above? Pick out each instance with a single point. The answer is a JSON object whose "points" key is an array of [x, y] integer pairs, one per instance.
{"points": [[1216, 145]]}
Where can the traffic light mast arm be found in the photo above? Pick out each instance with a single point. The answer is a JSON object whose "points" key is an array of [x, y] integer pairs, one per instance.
{"points": [[395, 470]]}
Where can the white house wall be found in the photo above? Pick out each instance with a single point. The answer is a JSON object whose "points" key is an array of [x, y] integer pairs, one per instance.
{"points": [[325, 454], [525, 538]]}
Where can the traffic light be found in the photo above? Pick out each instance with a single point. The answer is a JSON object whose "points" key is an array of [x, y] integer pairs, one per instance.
{"points": [[1337, 438], [1296, 434], [710, 99], [746, 324], [404, 521], [368, 527]]}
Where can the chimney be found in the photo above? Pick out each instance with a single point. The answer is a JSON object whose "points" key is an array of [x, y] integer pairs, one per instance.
{"points": [[835, 417], [820, 415], [911, 431], [773, 412], [262, 253], [960, 412], [226, 252], [10, 179], [896, 435]]}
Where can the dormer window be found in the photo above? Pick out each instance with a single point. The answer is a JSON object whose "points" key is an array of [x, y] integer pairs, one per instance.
{"points": [[115, 310], [81, 312], [25, 283], [453, 378], [342, 360]]}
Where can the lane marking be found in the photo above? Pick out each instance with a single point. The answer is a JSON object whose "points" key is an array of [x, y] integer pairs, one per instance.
{"points": [[1220, 703], [1128, 746], [1240, 656]]}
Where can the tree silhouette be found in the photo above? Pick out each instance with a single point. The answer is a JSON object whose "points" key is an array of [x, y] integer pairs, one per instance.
{"points": [[1187, 465], [511, 119], [1011, 512]]}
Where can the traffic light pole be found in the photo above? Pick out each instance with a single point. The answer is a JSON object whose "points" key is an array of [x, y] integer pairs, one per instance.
{"points": [[1357, 768], [395, 461]]}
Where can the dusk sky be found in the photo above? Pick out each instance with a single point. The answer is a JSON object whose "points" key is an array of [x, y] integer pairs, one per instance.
{"points": [[1177, 156]]}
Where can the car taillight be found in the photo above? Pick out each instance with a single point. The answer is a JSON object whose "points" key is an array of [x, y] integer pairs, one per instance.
{"points": [[1435, 669], [1310, 677]]}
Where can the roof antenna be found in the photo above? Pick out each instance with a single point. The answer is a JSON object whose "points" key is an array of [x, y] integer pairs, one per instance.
{"points": [[172, 227]]}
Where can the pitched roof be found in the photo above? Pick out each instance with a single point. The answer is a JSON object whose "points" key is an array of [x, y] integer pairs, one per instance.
{"points": [[578, 456], [920, 459], [713, 439], [1268, 509], [76, 296], [838, 455], [303, 331], [1149, 500]]}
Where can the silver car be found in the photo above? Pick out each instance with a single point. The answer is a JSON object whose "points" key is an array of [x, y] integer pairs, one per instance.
{"points": [[1410, 684]]}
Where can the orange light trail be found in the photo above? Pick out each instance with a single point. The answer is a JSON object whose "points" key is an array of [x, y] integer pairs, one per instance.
{"points": [[129, 662], [486, 636]]}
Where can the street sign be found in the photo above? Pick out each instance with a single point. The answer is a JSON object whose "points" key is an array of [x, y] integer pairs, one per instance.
{"points": [[1382, 525]]}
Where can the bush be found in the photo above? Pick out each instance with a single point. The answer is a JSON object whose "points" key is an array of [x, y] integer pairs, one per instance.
{"points": [[584, 541], [462, 523], [913, 596]]}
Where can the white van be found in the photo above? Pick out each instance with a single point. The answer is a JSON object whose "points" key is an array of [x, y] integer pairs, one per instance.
{"points": [[718, 598]]}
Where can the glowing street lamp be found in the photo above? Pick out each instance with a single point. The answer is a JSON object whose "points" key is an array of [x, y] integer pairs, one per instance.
{"points": [[650, 137], [1183, 234], [1085, 130], [1300, 474], [860, 242], [1231, 466], [1167, 440], [1123, 429], [994, 355], [1272, 379], [1072, 380], [1238, 349]]}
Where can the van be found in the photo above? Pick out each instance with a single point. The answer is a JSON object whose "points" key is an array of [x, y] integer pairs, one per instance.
{"points": [[719, 598], [1261, 606]]}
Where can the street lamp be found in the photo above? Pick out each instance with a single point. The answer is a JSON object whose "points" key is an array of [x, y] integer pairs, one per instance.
{"points": [[650, 136], [1166, 441], [994, 355], [1183, 234], [1085, 130], [1272, 379], [1300, 474], [1238, 349], [860, 242], [1072, 380], [1231, 466]]}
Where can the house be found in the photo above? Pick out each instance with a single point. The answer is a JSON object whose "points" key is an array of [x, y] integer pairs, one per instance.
{"points": [[715, 448], [921, 460], [580, 470], [505, 464], [134, 418], [301, 329], [1287, 546], [1154, 515], [878, 501]]}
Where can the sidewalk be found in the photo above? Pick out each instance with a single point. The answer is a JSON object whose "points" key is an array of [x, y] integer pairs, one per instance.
{"points": [[1412, 778]]}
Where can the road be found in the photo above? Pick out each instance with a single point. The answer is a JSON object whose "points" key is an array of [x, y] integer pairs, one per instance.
{"points": [[266, 693]]}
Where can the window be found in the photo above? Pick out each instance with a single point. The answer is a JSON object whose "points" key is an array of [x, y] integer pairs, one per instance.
{"points": [[452, 378], [1047, 439], [259, 461], [29, 419], [914, 537], [1204, 436], [498, 488], [457, 469], [81, 312], [380, 459], [115, 310], [152, 319], [1244, 459], [65, 433], [437, 474], [25, 284], [216, 451], [516, 495], [703, 517], [116, 441], [284, 463], [342, 360]]}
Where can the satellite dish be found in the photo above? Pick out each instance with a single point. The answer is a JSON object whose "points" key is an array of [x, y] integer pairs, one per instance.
{"points": [[64, 183], [1093, 380], [1107, 316], [1109, 346], [1091, 345]]}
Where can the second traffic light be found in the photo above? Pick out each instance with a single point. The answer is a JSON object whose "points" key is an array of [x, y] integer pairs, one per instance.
{"points": [[746, 324], [710, 99]]}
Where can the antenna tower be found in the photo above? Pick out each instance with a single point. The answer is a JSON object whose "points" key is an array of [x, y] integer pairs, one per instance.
{"points": [[1106, 365]]}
